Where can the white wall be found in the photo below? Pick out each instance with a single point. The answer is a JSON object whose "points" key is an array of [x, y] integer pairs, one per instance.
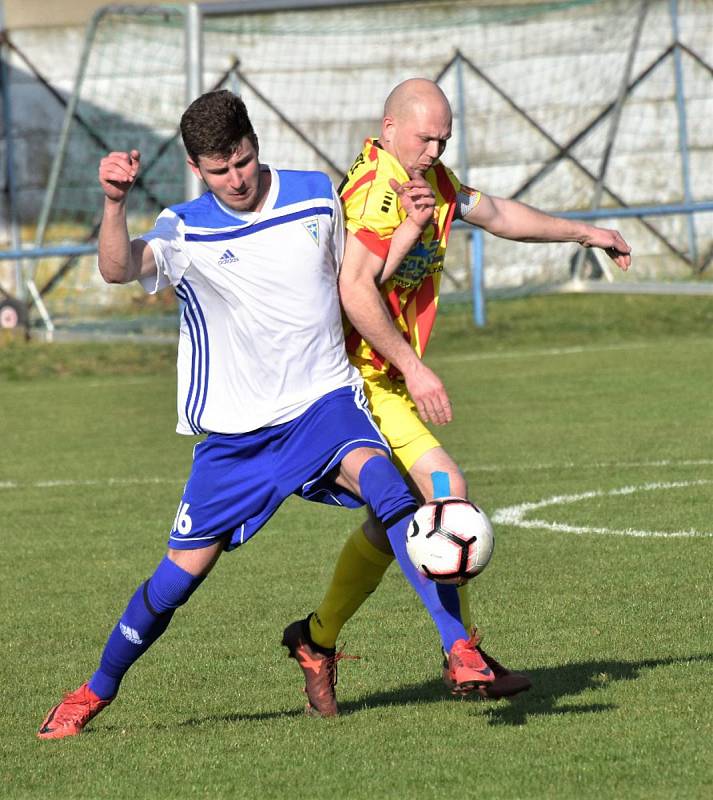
{"points": [[329, 72]]}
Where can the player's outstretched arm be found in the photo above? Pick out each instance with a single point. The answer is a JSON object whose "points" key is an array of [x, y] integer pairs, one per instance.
{"points": [[366, 310], [511, 219], [120, 260]]}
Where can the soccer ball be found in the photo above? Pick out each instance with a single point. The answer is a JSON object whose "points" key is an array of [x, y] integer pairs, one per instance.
{"points": [[450, 540]]}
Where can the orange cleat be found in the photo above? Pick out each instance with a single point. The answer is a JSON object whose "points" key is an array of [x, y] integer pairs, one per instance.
{"points": [[465, 669], [469, 668], [69, 717]]}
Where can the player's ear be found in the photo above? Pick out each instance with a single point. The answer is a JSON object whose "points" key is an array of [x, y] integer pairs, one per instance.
{"points": [[387, 129], [195, 169]]}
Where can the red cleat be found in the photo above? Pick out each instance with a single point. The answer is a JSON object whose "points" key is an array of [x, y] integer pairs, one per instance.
{"points": [[465, 670], [69, 717], [469, 668]]}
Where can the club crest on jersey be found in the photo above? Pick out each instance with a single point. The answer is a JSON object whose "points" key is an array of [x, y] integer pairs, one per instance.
{"points": [[312, 228], [228, 257]]}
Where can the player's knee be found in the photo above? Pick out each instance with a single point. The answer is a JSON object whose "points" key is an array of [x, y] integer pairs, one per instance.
{"points": [[353, 464], [383, 488]]}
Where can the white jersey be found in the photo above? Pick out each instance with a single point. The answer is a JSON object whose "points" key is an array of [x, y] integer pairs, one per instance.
{"points": [[261, 334]]}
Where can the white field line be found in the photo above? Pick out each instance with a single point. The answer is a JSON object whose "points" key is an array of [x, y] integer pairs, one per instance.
{"points": [[699, 462], [445, 359], [559, 351], [516, 515], [550, 351], [136, 380], [58, 484]]}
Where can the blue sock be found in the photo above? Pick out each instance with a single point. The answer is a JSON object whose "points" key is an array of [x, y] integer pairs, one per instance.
{"points": [[383, 488], [146, 617]]}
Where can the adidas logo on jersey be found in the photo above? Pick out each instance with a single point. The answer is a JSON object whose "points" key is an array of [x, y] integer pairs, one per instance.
{"points": [[312, 228], [130, 633], [228, 257]]}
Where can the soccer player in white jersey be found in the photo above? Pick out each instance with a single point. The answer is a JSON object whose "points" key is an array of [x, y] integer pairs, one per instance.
{"points": [[262, 370]]}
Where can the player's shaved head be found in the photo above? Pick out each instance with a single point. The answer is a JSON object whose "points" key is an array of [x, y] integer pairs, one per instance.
{"points": [[416, 124], [412, 94]]}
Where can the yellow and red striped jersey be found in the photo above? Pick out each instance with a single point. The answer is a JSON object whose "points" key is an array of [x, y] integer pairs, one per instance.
{"points": [[372, 212]]}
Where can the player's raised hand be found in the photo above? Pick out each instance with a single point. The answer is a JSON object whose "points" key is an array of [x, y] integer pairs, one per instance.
{"points": [[117, 173], [613, 244], [417, 199], [429, 394]]}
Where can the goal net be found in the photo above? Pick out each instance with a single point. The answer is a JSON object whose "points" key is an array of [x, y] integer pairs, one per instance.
{"points": [[567, 106]]}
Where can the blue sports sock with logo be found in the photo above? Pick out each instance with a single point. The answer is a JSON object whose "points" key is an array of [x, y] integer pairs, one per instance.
{"points": [[442, 488], [146, 617], [383, 488]]}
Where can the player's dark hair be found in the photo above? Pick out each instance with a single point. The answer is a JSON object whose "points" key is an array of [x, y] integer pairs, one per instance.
{"points": [[214, 124]]}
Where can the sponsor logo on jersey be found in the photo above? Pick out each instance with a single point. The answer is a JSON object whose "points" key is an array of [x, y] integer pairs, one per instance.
{"points": [[130, 633], [228, 257], [423, 260], [312, 228]]}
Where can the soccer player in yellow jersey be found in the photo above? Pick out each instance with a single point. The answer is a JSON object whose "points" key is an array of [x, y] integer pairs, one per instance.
{"points": [[397, 183]]}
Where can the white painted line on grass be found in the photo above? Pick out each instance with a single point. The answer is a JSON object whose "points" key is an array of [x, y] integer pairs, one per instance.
{"points": [[668, 462], [550, 351], [89, 482], [559, 351], [698, 462], [110, 382], [516, 515]]}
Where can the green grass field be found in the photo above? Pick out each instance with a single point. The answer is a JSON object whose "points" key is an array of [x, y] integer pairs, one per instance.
{"points": [[561, 403]]}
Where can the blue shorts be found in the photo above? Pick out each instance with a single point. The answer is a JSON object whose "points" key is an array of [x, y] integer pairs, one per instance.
{"points": [[238, 481]]}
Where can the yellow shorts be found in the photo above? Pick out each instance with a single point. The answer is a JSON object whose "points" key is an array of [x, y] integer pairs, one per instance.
{"points": [[396, 415]]}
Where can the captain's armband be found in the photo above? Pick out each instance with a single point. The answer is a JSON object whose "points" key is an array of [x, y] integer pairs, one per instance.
{"points": [[466, 200]]}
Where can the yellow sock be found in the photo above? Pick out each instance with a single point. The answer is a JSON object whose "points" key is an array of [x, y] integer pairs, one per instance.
{"points": [[359, 570], [464, 607]]}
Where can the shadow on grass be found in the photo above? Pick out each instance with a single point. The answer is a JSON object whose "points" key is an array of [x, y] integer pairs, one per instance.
{"points": [[257, 716], [549, 685]]}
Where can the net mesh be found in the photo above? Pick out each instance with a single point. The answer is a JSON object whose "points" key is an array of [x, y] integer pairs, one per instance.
{"points": [[534, 86]]}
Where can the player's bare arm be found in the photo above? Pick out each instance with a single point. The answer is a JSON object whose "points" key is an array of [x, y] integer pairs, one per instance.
{"points": [[511, 219], [418, 201], [366, 310], [120, 260]]}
